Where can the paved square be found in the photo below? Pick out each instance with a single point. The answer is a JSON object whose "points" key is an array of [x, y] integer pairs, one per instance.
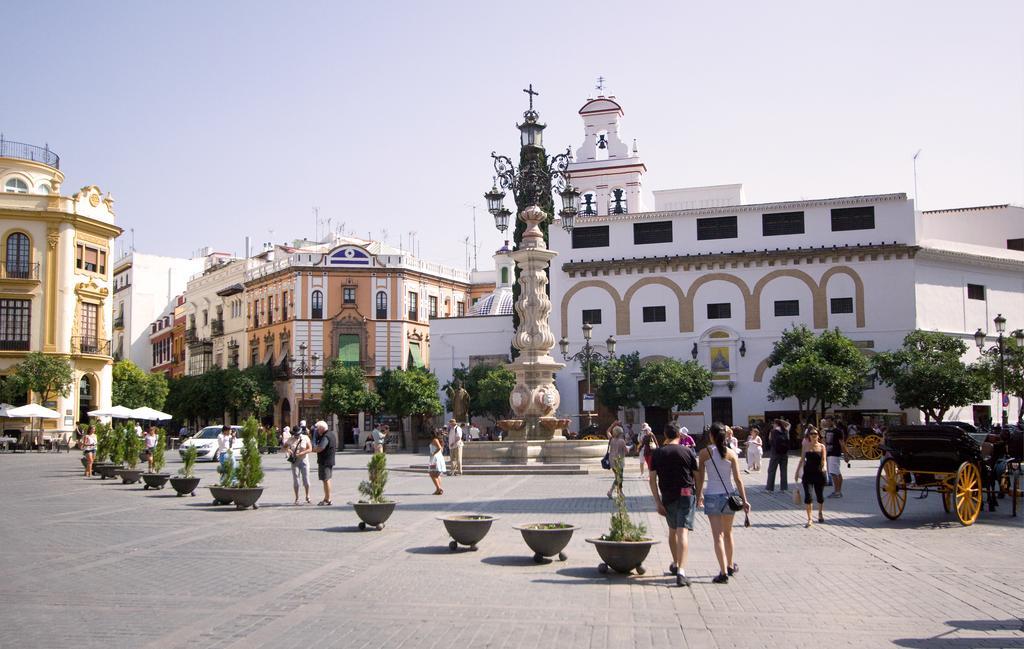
{"points": [[90, 563]]}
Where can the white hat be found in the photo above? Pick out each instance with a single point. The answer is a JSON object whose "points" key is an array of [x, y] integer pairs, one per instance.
{"points": [[286, 430], [683, 430], [302, 424]]}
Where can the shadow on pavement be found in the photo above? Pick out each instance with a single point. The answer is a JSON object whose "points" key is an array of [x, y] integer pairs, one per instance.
{"points": [[342, 529], [435, 550], [513, 561]]}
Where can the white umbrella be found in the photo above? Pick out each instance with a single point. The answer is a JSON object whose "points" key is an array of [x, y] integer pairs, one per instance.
{"points": [[4, 407], [117, 412], [149, 414], [33, 410]]}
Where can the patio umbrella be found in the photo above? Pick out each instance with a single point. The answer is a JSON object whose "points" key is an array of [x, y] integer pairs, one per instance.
{"points": [[117, 412], [149, 414], [4, 407], [34, 411]]}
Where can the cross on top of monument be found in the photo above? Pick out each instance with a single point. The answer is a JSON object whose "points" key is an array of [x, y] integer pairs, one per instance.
{"points": [[600, 84], [531, 92]]}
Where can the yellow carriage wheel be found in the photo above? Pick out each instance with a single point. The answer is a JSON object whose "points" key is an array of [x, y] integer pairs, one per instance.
{"points": [[892, 489], [592, 438], [855, 447], [968, 493], [871, 447]]}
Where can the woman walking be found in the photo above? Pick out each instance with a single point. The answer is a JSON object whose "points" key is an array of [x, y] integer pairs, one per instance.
{"points": [[723, 481], [648, 445], [436, 465], [617, 457], [296, 450], [151, 439], [89, 449], [812, 466], [754, 449]]}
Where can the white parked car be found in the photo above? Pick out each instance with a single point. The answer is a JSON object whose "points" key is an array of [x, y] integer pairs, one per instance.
{"points": [[205, 442]]}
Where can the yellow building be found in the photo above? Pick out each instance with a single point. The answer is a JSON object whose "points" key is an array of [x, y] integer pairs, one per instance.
{"points": [[55, 277]]}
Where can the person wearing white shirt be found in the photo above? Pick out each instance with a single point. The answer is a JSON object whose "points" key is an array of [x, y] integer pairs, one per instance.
{"points": [[224, 442], [455, 446], [474, 433]]}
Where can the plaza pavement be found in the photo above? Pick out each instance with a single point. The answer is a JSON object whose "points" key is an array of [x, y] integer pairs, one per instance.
{"points": [[90, 563]]}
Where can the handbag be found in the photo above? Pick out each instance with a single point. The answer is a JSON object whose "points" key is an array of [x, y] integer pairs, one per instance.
{"points": [[606, 461], [797, 500], [733, 502]]}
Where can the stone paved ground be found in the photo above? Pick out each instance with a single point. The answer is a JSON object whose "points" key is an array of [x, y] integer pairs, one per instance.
{"points": [[87, 563]]}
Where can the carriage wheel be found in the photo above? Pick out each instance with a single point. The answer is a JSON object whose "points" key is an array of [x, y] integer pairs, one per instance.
{"points": [[891, 488], [855, 447], [968, 493], [871, 447]]}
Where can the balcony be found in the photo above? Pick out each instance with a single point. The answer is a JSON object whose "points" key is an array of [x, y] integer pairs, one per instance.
{"points": [[42, 154], [14, 345], [190, 335], [90, 345], [16, 269], [119, 322], [217, 327]]}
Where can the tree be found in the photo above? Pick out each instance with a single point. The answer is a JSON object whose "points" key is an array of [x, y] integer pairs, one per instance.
{"points": [[409, 392], [616, 381], [670, 383], [488, 387], [927, 373], [250, 390], [47, 375], [1012, 370], [134, 388], [818, 371], [345, 391]]}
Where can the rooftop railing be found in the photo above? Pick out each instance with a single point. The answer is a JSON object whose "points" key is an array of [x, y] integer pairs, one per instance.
{"points": [[22, 151]]}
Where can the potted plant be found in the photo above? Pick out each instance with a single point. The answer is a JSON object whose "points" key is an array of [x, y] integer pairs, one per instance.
{"points": [[221, 491], [249, 474], [103, 440], [271, 440], [115, 449], [132, 446], [186, 482], [374, 509], [626, 545], [547, 539], [468, 529], [156, 479]]}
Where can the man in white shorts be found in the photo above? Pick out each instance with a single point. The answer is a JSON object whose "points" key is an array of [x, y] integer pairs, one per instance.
{"points": [[835, 451]]}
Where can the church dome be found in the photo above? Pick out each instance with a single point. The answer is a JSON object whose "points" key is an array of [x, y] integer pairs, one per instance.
{"points": [[497, 303]]}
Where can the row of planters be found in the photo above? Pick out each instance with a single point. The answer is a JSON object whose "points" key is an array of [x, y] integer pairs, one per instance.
{"points": [[623, 549]]}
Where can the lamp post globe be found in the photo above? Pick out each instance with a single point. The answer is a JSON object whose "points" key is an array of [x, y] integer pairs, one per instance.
{"points": [[979, 338], [1000, 323]]}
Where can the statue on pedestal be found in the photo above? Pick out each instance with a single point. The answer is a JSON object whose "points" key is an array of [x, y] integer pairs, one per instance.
{"points": [[459, 401]]}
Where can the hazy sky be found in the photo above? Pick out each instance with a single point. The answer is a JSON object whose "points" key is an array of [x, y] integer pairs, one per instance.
{"points": [[210, 120]]}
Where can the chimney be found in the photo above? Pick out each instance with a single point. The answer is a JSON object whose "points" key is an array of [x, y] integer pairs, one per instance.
{"points": [[248, 250]]}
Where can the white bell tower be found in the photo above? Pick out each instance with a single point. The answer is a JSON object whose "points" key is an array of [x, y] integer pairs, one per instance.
{"points": [[608, 172]]}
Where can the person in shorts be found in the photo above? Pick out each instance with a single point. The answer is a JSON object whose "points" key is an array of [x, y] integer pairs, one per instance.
{"points": [[835, 451], [672, 483], [325, 446], [719, 464]]}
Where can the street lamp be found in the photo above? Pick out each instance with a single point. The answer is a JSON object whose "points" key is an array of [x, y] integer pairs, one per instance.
{"points": [[587, 355], [304, 368], [979, 340]]}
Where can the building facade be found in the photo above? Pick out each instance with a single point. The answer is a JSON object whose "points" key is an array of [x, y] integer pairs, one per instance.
{"points": [[55, 279]]}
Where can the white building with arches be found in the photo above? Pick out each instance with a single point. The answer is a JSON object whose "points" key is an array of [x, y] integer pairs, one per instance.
{"points": [[705, 276]]}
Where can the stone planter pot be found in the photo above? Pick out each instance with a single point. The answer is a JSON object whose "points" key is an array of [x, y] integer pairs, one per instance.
{"points": [[106, 469], [468, 529], [546, 540], [622, 556], [244, 498], [97, 465], [184, 486], [373, 514], [129, 476], [221, 495], [155, 480]]}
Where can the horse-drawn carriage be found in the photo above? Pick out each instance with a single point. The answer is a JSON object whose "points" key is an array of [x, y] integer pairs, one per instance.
{"points": [[950, 461], [864, 446]]}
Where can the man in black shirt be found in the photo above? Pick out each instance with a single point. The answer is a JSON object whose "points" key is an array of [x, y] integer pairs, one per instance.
{"points": [[325, 444], [835, 451], [672, 469]]}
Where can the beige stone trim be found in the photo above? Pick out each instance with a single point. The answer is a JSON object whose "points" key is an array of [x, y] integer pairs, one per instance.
{"points": [[759, 371], [621, 312], [50, 292], [659, 281], [818, 305], [858, 290]]}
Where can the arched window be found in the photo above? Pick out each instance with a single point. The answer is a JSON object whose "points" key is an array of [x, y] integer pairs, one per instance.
{"points": [[617, 202], [317, 303], [85, 398], [17, 256], [382, 305], [44, 188], [504, 275], [589, 205], [16, 186]]}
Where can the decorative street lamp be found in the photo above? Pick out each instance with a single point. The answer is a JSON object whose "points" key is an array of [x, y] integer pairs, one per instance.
{"points": [[535, 398], [587, 355], [304, 368], [979, 340]]}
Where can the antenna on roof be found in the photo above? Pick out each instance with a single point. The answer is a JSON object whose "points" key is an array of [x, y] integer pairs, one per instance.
{"points": [[916, 201], [476, 246]]}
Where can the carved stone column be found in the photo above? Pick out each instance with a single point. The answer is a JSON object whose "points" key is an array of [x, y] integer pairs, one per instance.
{"points": [[535, 398]]}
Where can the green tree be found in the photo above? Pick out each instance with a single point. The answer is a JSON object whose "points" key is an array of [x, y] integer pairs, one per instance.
{"points": [[818, 371], [345, 391], [670, 383], [250, 390], [488, 387], [157, 389], [927, 373], [1012, 371], [47, 375], [134, 388], [409, 392], [615, 381]]}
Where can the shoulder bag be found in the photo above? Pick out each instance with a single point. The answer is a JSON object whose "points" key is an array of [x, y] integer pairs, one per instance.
{"points": [[733, 502], [606, 461]]}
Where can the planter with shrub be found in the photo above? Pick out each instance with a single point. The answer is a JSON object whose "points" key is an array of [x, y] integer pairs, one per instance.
{"points": [[547, 539], [374, 509], [155, 479], [186, 482], [626, 545], [468, 529], [133, 446]]}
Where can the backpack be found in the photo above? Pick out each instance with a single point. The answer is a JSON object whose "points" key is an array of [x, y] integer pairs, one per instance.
{"points": [[780, 441]]}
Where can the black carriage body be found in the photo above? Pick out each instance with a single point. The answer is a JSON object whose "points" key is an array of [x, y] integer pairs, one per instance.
{"points": [[934, 449]]}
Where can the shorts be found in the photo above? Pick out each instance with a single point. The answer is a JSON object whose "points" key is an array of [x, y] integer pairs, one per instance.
{"points": [[324, 472], [679, 513], [818, 486], [714, 505], [835, 465]]}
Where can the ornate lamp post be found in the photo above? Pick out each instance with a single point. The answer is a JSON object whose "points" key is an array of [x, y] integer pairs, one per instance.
{"points": [[587, 355], [304, 368], [979, 340], [535, 398]]}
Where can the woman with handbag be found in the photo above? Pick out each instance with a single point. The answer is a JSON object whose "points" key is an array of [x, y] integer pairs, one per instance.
{"points": [[296, 449], [720, 498], [810, 472]]}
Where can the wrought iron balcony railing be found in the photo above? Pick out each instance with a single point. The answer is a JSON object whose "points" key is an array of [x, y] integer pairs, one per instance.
{"points": [[119, 322], [9, 149], [217, 327], [90, 345], [190, 335], [14, 345], [17, 269]]}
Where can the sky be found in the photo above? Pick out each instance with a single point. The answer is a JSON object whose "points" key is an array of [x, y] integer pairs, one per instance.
{"points": [[209, 121]]}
